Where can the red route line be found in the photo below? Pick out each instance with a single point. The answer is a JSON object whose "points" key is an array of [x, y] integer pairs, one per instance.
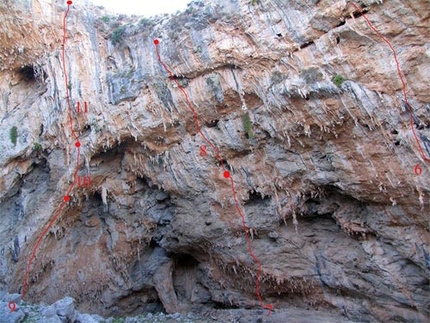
{"points": [[226, 175], [399, 72], [77, 145]]}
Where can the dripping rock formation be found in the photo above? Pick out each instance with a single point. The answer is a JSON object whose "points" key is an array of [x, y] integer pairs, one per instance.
{"points": [[304, 104]]}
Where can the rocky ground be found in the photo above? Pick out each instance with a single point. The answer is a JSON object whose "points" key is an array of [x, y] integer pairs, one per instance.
{"points": [[64, 311]]}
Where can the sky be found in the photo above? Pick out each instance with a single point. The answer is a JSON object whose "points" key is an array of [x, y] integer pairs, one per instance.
{"points": [[142, 7]]}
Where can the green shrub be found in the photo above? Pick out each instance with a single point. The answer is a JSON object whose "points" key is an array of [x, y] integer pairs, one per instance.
{"points": [[116, 35], [338, 80], [13, 135], [253, 2], [37, 146], [144, 21], [106, 19], [247, 125]]}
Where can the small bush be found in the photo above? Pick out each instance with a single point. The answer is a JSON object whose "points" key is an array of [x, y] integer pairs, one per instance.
{"points": [[13, 135], [144, 21], [106, 19], [116, 35], [338, 80], [254, 2], [37, 146], [247, 125]]}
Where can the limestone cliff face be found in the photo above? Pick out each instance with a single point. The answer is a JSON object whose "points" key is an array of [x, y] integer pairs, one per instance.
{"points": [[334, 188]]}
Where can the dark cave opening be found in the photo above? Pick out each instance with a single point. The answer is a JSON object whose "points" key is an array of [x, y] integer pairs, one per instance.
{"points": [[31, 73], [224, 306], [255, 197], [27, 73], [185, 277], [184, 261]]}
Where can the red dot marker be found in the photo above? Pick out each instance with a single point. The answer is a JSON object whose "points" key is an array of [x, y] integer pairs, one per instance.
{"points": [[226, 174], [11, 306], [66, 198], [69, 2], [156, 41], [78, 144]]}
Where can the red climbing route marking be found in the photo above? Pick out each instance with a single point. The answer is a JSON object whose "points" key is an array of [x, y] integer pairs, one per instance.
{"points": [[11, 306], [203, 151], [418, 170], [402, 80], [66, 197], [269, 307], [226, 174]]}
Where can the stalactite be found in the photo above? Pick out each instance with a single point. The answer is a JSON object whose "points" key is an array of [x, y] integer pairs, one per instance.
{"points": [[104, 194]]}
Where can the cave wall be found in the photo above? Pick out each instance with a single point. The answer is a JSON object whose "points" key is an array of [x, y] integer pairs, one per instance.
{"points": [[338, 215]]}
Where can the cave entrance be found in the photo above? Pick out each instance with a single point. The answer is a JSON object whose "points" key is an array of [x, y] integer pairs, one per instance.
{"points": [[185, 277]]}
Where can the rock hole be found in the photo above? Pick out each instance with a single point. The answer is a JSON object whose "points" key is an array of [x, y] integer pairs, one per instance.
{"points": [[358, 14], [341, 23], [225, 164], [177, 77], [212, 123], [306, 44], [254, 196], [27, 73], [153, 243], [224, 306]]}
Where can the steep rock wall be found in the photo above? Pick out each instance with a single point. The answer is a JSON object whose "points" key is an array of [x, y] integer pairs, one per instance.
{"points": [[325, 174]]}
